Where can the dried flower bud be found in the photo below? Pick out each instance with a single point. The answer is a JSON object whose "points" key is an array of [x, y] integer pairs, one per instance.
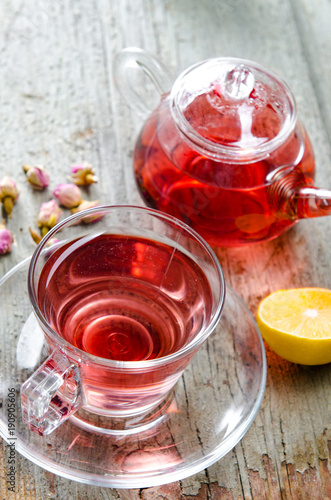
{"points": [[36, 176], [6, 239], [49, 216], [52, 241], [9, 194], [37, 238], [84, 206], [68, 195], [83, 174]]}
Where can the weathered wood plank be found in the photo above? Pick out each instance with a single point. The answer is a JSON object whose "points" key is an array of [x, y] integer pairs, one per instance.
{"points": [[59, 105]]}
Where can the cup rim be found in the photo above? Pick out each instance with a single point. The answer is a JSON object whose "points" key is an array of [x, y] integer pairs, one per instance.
{"points": [[79, 354]]}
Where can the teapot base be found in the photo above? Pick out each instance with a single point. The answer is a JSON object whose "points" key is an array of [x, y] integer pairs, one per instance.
{"points": [[246, 229]]}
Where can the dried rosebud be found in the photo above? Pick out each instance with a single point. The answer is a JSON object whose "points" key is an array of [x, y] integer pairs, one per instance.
{"points": [[68, 195], [9, 193], [52, 241], [83, 174], [84, 206], [36, 176], [35, 236], [49, 216], [6, 239]]}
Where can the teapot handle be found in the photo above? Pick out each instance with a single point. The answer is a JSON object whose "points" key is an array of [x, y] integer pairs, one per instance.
{"points": [[133, 57]]}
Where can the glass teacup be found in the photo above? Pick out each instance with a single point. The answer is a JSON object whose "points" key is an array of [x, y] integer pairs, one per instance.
{"points": [[125, 299]]}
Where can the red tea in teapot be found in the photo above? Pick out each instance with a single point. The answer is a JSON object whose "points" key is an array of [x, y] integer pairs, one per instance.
{"points": [[224, 151], [227, 202]]}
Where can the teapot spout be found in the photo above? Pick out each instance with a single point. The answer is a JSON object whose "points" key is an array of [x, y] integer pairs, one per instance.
{"points": [[313, 202], [291, 198]]}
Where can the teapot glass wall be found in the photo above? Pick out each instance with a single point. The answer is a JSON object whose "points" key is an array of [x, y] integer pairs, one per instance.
{"points": [[235, 177]]}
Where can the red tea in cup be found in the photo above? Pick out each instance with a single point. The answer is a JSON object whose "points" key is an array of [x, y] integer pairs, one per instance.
{"points": [[124, 298], [124, 304]]}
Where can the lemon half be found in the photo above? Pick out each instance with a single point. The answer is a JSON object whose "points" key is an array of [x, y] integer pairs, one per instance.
{"points": [[296, 324]]}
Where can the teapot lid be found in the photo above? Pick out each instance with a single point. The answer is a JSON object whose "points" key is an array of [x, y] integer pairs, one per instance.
{"points": [[233, 109]]}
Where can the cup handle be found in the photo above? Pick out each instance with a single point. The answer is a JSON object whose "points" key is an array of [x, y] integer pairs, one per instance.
{"points": [[51, 394], [133, 57]]}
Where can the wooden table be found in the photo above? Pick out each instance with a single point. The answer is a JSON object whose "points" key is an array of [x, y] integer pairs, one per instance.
{"points": [[59, 106]]}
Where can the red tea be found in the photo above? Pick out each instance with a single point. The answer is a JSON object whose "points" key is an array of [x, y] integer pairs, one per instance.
{"points": [[227, 203], [124, 298]]}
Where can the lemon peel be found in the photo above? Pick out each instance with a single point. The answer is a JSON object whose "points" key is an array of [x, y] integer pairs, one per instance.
{"points": [[296, 324]]}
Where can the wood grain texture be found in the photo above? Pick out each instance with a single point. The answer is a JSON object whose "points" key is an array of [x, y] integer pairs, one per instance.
{"points": [[59, 105]]}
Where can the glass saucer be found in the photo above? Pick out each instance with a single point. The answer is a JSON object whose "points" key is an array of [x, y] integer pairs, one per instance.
{"points": [[211, 408]]}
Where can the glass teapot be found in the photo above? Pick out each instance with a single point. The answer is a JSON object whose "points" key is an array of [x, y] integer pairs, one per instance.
{"points": [[224, 150]]}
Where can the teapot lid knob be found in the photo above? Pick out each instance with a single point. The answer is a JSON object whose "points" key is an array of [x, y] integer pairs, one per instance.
{"points": [[239, 82], [233, 109]]}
